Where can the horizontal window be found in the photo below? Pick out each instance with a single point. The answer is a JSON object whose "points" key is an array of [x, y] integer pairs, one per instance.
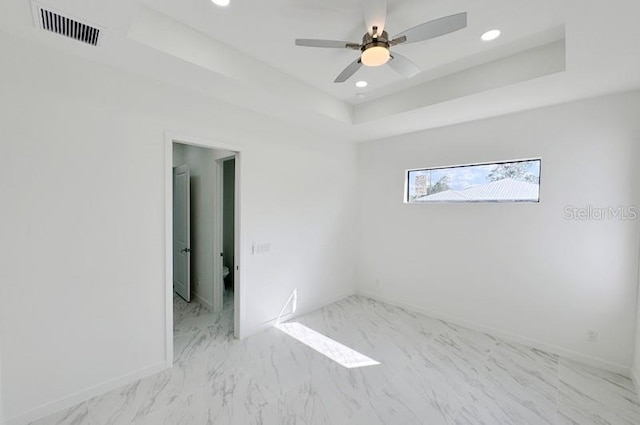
{"points": [[512, 181]]}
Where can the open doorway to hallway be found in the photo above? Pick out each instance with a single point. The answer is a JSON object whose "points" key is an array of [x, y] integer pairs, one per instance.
{"points": [[228, 224], [204, 241]]}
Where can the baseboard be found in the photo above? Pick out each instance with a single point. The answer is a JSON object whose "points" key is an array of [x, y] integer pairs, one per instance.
{"points": [[270, 323], [207, 304], [79, 397], [549, 348]]}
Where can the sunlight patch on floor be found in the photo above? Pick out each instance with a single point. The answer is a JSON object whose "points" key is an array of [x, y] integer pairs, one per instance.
{"points": [[324, 345]]}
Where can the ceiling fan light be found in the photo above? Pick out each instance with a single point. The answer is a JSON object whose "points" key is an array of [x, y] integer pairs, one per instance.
{"points": [[375, 56]]}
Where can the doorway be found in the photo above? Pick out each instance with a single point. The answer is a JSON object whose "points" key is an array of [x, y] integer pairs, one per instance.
{"points": [[202, 236], [228, 224]]}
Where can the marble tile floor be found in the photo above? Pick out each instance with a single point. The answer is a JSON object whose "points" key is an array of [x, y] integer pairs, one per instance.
{"points": [[431, 372]]}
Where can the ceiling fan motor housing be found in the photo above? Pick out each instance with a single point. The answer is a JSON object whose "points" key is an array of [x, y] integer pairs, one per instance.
{"points": [[369, 40], [375, 48]]}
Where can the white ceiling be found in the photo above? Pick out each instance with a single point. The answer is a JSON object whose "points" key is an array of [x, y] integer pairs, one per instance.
{"points": [[245, 55], [266, 30]]}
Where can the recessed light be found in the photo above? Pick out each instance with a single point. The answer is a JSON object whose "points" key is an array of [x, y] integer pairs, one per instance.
{"points": [[362, 84], [490, 35], [222, 3]]}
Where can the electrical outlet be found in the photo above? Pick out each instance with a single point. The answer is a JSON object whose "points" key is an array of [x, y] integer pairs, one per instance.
{"points": [[260, 248], [592, 335], [197, 282]]}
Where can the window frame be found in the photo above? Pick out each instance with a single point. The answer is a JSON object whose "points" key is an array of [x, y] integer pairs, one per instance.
{"points": [[408, 172]]}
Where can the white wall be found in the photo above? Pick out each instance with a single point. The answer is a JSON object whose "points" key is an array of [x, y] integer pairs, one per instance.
{"points": [[1, 384], [83, 208], [635, 369], [3, 315], [520, 270]]}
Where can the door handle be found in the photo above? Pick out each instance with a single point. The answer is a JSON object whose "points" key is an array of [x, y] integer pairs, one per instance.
{"points": [[186, 250]]}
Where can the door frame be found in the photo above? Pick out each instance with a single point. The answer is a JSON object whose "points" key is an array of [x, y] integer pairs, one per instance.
{"points": [[170, 139]]}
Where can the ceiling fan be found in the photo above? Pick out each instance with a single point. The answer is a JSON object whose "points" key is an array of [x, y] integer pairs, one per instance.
{"points": [[376, 41]]}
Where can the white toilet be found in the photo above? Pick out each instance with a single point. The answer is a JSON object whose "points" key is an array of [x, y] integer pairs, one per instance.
{"points": [[225, 271]]}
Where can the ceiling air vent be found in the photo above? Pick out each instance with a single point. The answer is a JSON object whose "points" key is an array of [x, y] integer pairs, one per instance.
{"points": [[55, 22]]}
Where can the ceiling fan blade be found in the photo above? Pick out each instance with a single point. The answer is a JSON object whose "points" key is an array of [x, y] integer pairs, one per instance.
{"points": [[375, 14], [397, 41], [330, 44], [435, 28], [403, 65], [348, 71]]}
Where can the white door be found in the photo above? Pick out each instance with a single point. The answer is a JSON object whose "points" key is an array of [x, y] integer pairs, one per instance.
{"points": [[181, 232]]}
